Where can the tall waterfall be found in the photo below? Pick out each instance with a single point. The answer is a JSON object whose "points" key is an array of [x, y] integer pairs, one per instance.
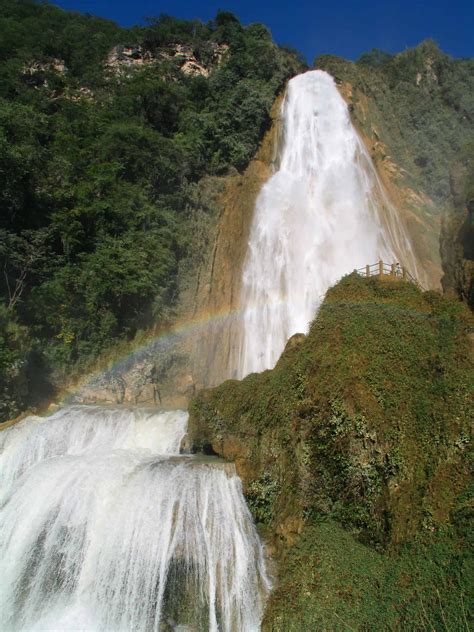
{"points": [[320, 216], [104, 528]]}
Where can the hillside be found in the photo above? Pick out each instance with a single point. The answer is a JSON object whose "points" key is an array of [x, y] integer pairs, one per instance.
{"points": [[415, 111], [105, 135], [354, 456]]}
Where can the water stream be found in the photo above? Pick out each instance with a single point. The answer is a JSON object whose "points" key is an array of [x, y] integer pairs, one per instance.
{"points": [[321, 215], [105, 528]]}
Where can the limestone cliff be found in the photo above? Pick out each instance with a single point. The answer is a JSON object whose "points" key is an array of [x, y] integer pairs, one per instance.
{"points": [[415, 112], [202, 338], [123, 60], [420, 213], [218, 288]]}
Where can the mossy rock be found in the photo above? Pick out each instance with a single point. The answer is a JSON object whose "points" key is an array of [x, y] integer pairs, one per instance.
{"points": [[365, 420], [364, 423]]}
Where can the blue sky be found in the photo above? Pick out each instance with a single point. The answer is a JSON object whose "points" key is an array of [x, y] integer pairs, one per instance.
{"points": [[314, 27]]}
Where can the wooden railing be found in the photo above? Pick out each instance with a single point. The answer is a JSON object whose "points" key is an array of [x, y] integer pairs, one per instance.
{"points": [[395, 270]]}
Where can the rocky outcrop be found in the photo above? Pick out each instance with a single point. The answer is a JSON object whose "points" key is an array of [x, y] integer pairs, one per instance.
{"points": [[122, 60], [35, 67], [457, 237], [189, 61], [38, 74], [155, 377], [365, 420]]}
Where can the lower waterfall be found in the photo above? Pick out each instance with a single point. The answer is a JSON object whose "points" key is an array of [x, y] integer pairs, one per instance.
{"points": [[105, 527]]}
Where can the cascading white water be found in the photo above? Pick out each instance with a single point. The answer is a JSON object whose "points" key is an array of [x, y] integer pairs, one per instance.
{"points": [[105, 528], [320, 216]]}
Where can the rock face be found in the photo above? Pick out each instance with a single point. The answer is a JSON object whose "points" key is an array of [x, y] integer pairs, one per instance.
{"points": [[369, 95], [146, 378], [416, 208], [55, 65], [457, 237], [210, 302], [218, 290], [133, 386], [122, 60], [196, 352], [38, 74], [189, 62]]}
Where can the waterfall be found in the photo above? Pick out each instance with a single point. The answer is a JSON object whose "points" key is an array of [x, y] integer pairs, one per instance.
{"points": [[104, 527], [321, 215]]}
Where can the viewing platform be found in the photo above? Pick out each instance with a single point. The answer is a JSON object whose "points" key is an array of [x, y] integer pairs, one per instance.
{"points": [[392, 270]]}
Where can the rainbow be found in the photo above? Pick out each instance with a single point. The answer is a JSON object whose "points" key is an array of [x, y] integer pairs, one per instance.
{"points": [[122, 357]]}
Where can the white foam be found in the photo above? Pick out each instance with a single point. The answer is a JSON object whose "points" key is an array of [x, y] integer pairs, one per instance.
{"points": [[104, 528]]}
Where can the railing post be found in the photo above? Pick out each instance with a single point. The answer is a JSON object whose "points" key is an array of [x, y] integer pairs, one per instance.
{"points": [[380, 267], [393, 271], [367, 270]]}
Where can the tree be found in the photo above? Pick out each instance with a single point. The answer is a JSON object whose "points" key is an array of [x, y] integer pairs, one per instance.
{"points": [[21, 255]]}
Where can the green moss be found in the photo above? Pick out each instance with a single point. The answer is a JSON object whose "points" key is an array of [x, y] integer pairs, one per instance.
{"points": [[332, 582], [360, 419], [261, 495], [364, 423]]}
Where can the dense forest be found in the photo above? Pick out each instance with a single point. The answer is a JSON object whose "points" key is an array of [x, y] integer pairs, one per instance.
{"points": [[98, 167]]}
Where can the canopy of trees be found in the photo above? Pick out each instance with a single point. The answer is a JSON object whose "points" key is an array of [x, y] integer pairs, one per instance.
{"points": [[97, 169]]}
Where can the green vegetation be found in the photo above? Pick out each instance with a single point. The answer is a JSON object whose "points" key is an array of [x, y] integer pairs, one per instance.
{"points": [[100, 169], [421, 102], [363, 423], [332, 582], [457, 235]]}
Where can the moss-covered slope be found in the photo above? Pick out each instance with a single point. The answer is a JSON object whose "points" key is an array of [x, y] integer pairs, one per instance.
{"points": [[364, 422], [329, 581]]}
